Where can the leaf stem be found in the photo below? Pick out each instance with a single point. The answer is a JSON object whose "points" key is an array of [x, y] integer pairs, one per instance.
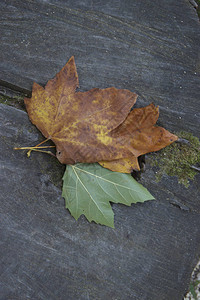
{"points": [[42, 142], [48, 152], [32, 148], [37, 148], [29, 152]]}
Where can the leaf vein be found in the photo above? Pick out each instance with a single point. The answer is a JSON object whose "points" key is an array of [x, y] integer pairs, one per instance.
{"points": [[87, 190], [102, 178]]}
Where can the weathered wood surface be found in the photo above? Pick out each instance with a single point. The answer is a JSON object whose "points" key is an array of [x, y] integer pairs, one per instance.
{"points": [[151, 47], [46, 254]]}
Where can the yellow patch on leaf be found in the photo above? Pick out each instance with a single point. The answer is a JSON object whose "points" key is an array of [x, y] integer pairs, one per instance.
{"points": [[123, 165]]}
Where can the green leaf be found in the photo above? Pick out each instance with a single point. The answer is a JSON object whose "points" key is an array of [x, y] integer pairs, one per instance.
{"points": [[88, 189]]}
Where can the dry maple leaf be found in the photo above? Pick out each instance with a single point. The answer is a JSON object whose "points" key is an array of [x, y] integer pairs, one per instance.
{"points": [[97, 125]]}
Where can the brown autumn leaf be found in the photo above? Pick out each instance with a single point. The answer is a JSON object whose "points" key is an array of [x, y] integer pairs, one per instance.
{"points": [[139, 133], [97, 125]]}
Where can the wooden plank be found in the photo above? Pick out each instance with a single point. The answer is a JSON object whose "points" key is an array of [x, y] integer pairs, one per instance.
{"points": [[151, 47], [46, 254]]}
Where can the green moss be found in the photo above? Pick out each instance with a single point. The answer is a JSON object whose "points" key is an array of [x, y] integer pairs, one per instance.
{"points": [[16, 101], [177, 159], [194, 288]]}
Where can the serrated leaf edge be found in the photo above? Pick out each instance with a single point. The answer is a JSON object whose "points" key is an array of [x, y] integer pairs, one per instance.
{"points": [[102, 178]]}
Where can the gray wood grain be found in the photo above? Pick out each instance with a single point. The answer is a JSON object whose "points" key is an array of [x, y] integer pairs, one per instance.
{"points": [[46, 254], [150, 47]]}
